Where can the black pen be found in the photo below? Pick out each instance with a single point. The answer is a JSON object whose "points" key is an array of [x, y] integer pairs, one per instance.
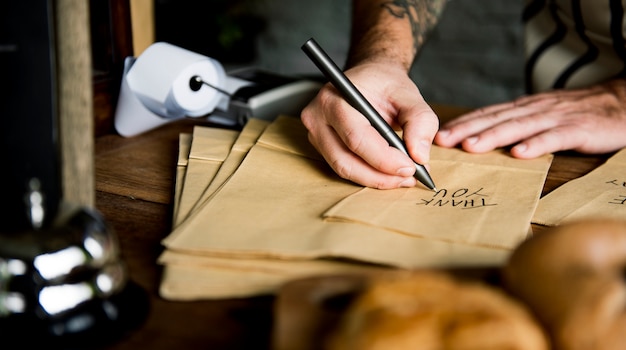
{"points": [[358, 101]]}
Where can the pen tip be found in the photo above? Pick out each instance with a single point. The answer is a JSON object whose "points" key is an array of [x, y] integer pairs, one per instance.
{"points": [[434, 189]]}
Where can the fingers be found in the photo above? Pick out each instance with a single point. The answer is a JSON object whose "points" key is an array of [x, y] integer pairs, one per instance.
{"points": [[469, 125], [503, 124], [353, 148], [348, 165], [536, 125], [419, 129], [508, 132], [550, 141], [587, 120]]}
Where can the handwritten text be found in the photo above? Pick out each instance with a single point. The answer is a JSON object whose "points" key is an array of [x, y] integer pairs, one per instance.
{"points": [[462, 198], [619, 199], [617, 183]]}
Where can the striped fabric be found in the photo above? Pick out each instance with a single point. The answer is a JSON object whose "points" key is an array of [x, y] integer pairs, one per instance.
{"points": [[573, 43]]}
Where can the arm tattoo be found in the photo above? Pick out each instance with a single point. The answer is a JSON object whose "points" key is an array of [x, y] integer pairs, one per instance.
{"points": [[422, 14]]}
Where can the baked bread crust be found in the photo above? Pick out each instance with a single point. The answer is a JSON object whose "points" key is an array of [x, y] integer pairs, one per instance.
{"points": [[432, 310], [572, 277]]}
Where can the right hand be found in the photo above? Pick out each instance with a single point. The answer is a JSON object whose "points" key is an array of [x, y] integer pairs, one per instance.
{"points": [[352, 147]]}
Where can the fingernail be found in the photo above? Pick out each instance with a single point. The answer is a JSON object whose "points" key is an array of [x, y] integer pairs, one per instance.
{"points": [[472, 140], [411, 182], [444, 133], [424, 146], [520, 148], [406, 172]]}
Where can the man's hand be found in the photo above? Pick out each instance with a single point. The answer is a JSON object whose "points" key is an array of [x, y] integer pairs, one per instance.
{"points": [[352, 147], [591, 120]]}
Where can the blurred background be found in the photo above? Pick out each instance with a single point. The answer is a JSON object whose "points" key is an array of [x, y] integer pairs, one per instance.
{"points": [[474, 57]]}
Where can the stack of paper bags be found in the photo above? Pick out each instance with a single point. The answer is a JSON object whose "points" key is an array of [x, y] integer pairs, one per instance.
{"points": [[257, 208]]}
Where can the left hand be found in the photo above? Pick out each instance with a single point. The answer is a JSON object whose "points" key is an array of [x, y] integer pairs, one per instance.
{"points": [[590, 120]]}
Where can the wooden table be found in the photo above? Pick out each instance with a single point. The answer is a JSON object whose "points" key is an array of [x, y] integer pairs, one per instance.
{"points": [[135, 183]]}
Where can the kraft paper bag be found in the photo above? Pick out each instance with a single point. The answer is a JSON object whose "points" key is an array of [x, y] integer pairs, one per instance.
{"points": [[188, 277], [482, 199], [192, 277], [188, 283], [195, 275], [184, 145], [246, 139], [272, 207], [209, 148], [599, 194]]}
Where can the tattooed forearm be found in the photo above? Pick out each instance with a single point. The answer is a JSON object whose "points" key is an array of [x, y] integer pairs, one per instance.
{"points": [[423, 15], [381, 31]]}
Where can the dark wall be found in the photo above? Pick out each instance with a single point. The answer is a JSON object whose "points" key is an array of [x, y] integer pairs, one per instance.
{"points": [[473, 58]]}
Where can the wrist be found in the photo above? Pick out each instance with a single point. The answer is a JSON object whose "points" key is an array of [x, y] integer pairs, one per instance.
{"points": [[381, 55], [379, 67]]}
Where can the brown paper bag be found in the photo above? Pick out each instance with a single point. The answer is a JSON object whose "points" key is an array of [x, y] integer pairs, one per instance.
{"points": [[483, 199], [184, 145], [271, 208], [600, 193], [209, 148], [192, 277], [246, 139]]}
